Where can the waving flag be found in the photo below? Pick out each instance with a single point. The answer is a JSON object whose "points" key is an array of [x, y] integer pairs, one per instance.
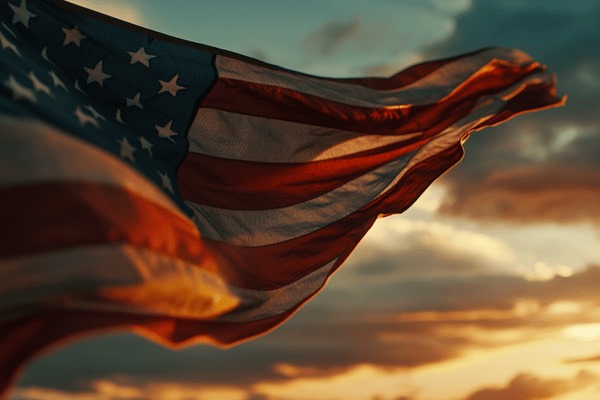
{"points": [[189, 193]]}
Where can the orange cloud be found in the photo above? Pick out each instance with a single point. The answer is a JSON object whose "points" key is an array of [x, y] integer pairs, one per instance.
{"points": [[108, 390], [420, 325], [530, 387]]}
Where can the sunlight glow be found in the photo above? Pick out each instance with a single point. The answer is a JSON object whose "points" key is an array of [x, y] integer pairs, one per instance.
{"points": [[583, 332]]}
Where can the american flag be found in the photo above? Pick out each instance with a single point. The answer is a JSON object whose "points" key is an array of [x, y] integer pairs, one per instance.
{"points": [[190, 193]]}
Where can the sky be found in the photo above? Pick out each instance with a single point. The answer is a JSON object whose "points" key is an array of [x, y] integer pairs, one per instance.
{"points": [[487, 288]]}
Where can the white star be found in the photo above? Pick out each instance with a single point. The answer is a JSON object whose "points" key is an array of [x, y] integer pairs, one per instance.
{"points": [[135, 101], [96, 74], [6, 44], [141, 57], [95, 113], [44, 54], [127, 149], [39, 85], [170, 86], [56, 80], [73, 36], [84, 118], [19, 91], [77, 87], [165, 181], [22, 14], [118, 116], [165, 132], [146, 145]]}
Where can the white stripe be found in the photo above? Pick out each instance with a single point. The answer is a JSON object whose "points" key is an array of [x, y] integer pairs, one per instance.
{"points": [[119, 278], [427, 90], [258, 304], [263, 227], [249, 138], [34, 152]]}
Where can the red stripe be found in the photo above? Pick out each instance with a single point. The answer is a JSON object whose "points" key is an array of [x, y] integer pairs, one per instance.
{"points": [[50, 216], [246, 185], [285, 104]]}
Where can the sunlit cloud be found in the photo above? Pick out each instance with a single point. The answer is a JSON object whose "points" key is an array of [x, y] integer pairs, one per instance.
{"points": [[431, 200], [358, 383], [493, 330], [107, 390], [543, 272], [521, 309], [530, 387], [584, 332], [563, 307], [404, 248]]}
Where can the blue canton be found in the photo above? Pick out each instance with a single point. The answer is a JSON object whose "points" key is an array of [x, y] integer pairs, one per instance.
{"points": [[121, 89]]}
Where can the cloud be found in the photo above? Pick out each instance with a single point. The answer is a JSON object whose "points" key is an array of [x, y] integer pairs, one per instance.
{"points": [[331, 36], [542, 167], [429, 321], [530, 387], [528, 193], [387, 324], [357, 383], [108, 390], [403, 248], [376, 40]]}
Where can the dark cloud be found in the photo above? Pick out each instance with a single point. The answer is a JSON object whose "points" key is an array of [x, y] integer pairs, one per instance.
{"points": [[406, 261], [327, 39], [529, 387], [528, 157], [529, 193]]}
